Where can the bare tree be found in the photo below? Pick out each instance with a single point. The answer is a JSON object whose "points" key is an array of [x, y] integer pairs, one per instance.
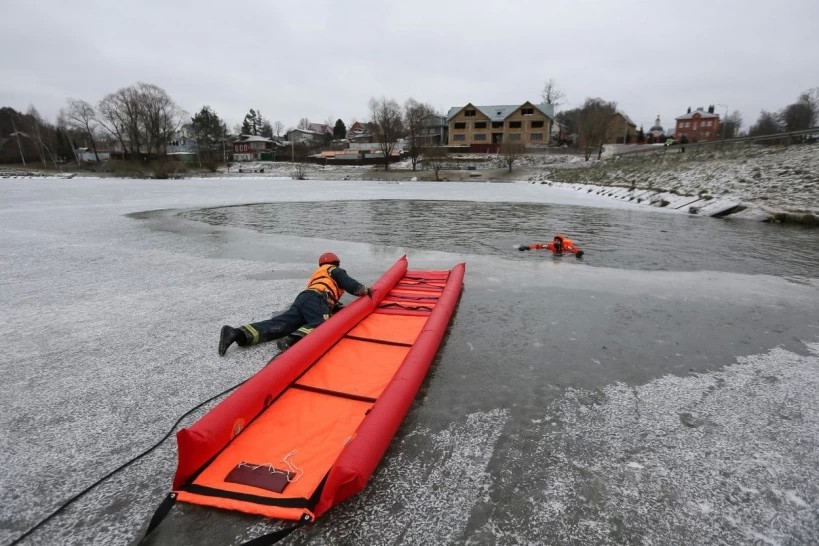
{"points": [[141, 117], [767, 124], [731, 125], [43, 135], [304, 123], [552, 93], [162, 116], [120, 116], [434, 158], [387, 124], [801, 114], [414, 114], [80, 117], [593, 123], [511, 152], [567, 121], [300, 170], [278, 127]]}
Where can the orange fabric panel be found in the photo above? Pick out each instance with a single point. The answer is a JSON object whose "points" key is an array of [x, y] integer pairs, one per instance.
{"points": [[316, 426], [244, 506], [416, 292], [430, 285], [400, 329], [356, 367]]}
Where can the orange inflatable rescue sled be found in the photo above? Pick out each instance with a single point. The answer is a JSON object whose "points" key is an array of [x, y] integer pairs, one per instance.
{"points": [[308, 430]]}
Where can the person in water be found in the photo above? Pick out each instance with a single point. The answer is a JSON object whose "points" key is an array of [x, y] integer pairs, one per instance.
{"points": [[311, 307], [559, 245]]}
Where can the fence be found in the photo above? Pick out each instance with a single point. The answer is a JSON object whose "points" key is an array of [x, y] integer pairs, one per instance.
{"points": [[805, 135]]}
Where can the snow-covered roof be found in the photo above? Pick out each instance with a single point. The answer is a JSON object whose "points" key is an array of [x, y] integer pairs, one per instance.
{"points": [[254, 138], [503, 111], [625, 117], [321, 128], [700, 112], [305, 131]]}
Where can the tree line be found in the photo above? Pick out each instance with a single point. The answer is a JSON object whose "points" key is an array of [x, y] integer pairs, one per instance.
{"points": [[798, 116]]}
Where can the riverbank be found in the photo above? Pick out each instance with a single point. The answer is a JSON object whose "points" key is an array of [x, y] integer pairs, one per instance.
{"points": [[763, 183], [775, 183]]}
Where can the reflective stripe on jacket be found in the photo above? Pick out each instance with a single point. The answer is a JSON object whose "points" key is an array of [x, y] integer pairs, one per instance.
{"points": [[322, 281]]}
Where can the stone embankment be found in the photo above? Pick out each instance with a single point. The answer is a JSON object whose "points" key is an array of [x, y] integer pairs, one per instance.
{"points": [[704, 205], [768, 183]]}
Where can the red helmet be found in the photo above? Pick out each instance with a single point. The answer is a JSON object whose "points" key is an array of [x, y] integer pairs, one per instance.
{"points": [[329, 258]]}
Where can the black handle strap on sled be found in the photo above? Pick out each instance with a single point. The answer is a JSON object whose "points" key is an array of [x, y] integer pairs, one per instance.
{"points": [[265, 540]]}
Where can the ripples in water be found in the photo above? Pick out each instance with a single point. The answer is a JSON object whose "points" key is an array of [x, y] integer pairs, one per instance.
{"points": [[616, 238]]}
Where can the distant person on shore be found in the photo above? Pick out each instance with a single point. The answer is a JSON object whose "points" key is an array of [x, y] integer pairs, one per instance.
{"points": [[683, 142], [311, 307], [559, 245]]}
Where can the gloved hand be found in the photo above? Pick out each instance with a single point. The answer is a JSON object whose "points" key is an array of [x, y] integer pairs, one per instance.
{"points": [[367, 291], [523, 247], [579, 254]]}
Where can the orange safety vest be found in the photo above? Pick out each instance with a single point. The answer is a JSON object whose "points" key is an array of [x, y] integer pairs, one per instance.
{"points": [[321, 281]]}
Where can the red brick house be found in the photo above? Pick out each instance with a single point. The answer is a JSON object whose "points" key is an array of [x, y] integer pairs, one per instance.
{"points": [[699, 125], [252, 148]]}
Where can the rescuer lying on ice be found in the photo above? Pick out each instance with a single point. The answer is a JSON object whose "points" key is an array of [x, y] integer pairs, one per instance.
{"points": [[310, 308], [559, 245]]}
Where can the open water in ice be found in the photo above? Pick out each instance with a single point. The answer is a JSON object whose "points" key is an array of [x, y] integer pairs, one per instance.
{"points": [[616, 238]]}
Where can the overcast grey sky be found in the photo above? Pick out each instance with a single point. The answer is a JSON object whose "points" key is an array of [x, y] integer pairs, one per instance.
{"points": [[324, 59]]}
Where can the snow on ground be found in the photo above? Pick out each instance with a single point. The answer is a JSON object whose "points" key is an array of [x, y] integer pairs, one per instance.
{"points": [[774, 178], [671, 461]]}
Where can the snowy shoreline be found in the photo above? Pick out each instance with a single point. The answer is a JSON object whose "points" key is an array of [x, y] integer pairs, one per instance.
{"points": [[775, 185]]}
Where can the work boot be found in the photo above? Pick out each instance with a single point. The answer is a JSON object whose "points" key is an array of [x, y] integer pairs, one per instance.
{"points": [[226, 338], [286, 342]]}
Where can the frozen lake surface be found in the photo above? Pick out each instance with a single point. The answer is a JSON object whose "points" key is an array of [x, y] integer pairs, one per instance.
{"points": [[649, 393]]}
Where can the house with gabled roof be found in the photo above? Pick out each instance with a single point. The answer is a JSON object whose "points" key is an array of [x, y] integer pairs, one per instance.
{"points": [[621, 130], [257, 148], [698, 125], [321, 128], [360, 132], [484, 128]]}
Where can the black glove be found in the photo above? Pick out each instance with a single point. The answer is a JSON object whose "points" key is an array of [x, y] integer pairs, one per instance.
{"points": [[579, 254], [523, 247]]}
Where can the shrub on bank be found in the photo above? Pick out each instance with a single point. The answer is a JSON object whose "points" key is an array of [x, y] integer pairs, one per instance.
{"points": [[803, 219]]}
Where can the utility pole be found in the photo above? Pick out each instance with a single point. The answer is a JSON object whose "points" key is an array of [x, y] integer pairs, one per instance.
{"points": [[722, 122]]}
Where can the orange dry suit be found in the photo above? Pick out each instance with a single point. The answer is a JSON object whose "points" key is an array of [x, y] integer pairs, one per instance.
{"points": [[566, 245]]}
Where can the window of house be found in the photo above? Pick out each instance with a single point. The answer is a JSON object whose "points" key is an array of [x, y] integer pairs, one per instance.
{"points": [[536, 124], [515, 136], [497, 125], [469, 113], [460, 125], [514, 125], [527, 111], [480, 125], [536, 136], [460, 137], [480, 136]]}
